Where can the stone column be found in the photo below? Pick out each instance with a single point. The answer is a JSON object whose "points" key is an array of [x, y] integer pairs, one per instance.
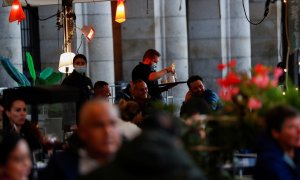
{"points": [[171, 40], [205, 51], [235, 33], [10, 43], [163, 27], [99, 52]]}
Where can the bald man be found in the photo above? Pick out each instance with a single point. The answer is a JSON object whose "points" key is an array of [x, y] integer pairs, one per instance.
{"points": [[100, 140], [97, 129]]}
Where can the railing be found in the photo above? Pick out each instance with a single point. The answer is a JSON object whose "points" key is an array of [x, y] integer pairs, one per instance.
{"points": [[116, 88]]}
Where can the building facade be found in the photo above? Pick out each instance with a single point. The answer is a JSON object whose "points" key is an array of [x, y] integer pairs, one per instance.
{"points": [[196, 35]]}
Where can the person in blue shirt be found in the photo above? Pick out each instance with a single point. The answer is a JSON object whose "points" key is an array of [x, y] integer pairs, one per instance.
{"points": [[278, 152], [197, 92]]}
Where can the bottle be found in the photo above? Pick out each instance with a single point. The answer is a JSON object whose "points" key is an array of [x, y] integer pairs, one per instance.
{"points": [[172, 77]]}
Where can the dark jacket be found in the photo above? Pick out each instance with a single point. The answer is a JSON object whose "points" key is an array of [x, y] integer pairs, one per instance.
{"points": [[83, 84], [152, 156], [273, 164], [30, 133], [143, 71], [64, 165]]}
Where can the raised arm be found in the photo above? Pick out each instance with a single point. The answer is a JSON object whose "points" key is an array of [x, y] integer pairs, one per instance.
{"points": [[156, 75]]}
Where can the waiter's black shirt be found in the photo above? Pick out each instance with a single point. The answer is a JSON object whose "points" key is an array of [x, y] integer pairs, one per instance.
{"points": [[143, 72]]}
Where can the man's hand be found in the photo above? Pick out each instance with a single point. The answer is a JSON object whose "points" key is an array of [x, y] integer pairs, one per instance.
{"points": [[170, 69]]}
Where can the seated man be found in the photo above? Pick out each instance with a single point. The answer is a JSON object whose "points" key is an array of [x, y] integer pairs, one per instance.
{"points": [[197, 90], [278, 155], [140, 94], [136, 108], [99, 141], [102, 90]]}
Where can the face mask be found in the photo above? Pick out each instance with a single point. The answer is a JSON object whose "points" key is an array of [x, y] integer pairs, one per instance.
{"points": [[154, 67], [80, 69]]}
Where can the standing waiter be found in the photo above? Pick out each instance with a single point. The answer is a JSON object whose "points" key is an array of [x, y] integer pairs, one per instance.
{"points": [[145, 71]]}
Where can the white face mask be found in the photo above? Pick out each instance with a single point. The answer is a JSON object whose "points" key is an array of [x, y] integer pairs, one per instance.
{"points": [[80, 69], [154, 67]]}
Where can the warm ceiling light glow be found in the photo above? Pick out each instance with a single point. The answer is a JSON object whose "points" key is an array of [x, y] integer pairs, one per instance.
{"points": [[88, 32], [284, 1], [120, 13], [16, 12], [15, 7], [66, 62], [91, 34], [285, 70]]}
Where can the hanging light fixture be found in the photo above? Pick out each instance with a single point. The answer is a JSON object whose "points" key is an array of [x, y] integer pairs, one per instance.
{"points": [[66, 62], [88, 32], [120, 13], [16, 12]]}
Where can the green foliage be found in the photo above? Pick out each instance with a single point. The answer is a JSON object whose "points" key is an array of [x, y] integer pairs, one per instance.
{"points": [[54, 78], [14, 73], [31, 66], [46, 73], [47, 76]]}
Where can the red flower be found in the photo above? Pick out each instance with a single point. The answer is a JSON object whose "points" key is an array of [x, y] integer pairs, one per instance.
{"points": [[274, 83], [277, 72], [261, 81], [224, 95], [221, 66], [234, 90], [232, 63], [223, 82], [254, 103], [232, 78], [261, 69]]}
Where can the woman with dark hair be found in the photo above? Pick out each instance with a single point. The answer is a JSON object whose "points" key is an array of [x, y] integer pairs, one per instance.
{"points": [[78, 79], [15, 158], [279, 151], [15, 122]]}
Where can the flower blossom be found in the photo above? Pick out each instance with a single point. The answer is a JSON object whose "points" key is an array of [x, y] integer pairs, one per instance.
{"points": [[261, 69], [261, 81], [277, 72], [224, 95], [232, 63], [221, 66], [254, 103], [233, 78]]}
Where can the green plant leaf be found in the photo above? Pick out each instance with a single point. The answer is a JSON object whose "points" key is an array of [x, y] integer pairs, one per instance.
{"points": [[26, 82], [30, 65], [14, 73], [46, 73], [54, 78]]}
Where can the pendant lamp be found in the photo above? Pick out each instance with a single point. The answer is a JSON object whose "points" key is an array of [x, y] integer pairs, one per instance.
{"points": [[120, 13], [16, 12]]}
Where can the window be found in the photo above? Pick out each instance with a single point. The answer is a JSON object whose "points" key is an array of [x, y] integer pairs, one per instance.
{"points": [[30, 39]]}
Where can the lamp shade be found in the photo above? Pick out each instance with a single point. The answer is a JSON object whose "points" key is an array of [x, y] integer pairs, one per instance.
{"points": [[120, 13], [16, 12], [66, 62], [88, 32]]}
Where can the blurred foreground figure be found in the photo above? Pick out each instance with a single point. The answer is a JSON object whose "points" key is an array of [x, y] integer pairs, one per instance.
{"points": [[15, 157], [279, 152], [156, 154], [98, 141]]}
